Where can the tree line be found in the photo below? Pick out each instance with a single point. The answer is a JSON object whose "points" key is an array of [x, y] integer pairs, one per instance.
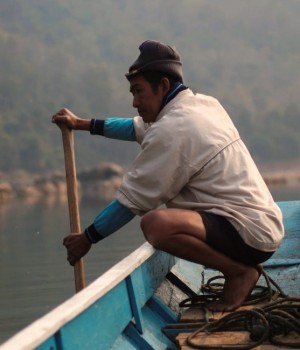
{"points": [[75, 53]]}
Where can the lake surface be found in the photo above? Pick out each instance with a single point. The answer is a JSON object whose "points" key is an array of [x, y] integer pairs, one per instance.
{"points": [[34, 273]]}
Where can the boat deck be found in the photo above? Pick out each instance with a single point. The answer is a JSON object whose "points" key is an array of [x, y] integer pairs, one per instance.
{"points": [[227, 340], [268, 320], [199, 328]]}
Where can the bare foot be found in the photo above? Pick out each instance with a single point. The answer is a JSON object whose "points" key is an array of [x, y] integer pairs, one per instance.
{"points": [[236, 289]]}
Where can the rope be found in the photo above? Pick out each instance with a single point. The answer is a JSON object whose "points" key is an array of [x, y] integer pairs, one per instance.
{"points": [[275, 320], [284, 317], [214, 290]]}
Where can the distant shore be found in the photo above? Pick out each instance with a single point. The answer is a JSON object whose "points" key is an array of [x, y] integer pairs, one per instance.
{"points": [[281, 173], [102, 181]]}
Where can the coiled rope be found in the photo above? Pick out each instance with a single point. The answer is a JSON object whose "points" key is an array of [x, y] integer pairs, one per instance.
{"points": [[271, 322]]}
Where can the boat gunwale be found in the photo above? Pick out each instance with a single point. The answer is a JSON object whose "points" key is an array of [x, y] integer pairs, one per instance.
{"points": [[40, 330]]}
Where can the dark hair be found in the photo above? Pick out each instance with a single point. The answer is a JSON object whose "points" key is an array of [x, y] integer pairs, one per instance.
{"points": [[154, 79]]}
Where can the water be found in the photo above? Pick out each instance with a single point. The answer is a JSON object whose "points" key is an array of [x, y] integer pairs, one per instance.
{"points": [[34, 273]]}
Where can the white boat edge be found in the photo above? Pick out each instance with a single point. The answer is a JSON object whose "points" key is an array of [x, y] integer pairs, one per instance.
{"points": [[38, 331]]}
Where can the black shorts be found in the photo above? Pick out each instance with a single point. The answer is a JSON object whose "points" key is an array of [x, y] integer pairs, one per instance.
{"points": [[223, 237]]}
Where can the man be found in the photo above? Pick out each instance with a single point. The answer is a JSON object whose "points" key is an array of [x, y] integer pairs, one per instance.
{"points": [[219, 211]]}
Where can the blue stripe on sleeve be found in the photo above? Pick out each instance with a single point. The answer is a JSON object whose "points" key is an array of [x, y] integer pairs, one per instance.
{"points": [[110, 219], [119, 128]]}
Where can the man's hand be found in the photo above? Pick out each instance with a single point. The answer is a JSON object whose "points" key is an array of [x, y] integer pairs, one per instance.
{"points": [[64, 116], [77, 246]]}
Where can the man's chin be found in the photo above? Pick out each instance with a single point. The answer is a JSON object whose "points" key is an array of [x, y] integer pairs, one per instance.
{"points": [[146, 117], [143, 115]]}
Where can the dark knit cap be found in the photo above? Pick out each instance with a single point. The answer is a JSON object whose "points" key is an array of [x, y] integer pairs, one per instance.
{"points": [[155, 56]]}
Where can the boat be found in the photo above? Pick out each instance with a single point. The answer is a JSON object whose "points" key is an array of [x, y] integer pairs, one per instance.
{"points": [[137, 304]]}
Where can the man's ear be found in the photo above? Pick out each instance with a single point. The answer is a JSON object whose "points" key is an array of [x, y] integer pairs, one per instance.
{"points": [[165, 84]]}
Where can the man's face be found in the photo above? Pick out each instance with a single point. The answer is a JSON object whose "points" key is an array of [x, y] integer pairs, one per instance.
{"points": [[146, 101]]}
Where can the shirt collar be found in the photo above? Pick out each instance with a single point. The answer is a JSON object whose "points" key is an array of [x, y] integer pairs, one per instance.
{"points": [[172, 93]]}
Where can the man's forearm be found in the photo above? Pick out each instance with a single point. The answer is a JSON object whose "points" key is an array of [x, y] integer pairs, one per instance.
{"points": [[110, 219], [114, 128], [83, 124]]}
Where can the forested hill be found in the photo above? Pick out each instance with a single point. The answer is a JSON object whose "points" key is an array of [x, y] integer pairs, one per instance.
{"points": [[74, 54]]}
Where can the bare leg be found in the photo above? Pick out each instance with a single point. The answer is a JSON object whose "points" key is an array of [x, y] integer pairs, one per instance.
{"points": [[182, 233]]}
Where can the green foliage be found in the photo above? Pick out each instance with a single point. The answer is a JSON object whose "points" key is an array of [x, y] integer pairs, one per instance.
{"points": [[75, 53]]}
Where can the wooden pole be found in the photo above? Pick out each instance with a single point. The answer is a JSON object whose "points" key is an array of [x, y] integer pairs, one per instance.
{"points": [[72, 192]]}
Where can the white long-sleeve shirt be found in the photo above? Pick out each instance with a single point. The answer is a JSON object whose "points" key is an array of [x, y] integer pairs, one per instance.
{"points": [[192, 157]]}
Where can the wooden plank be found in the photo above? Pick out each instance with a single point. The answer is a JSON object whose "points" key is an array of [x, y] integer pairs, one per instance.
{"points": [[198, 314], [217, 338], [225, 338]]}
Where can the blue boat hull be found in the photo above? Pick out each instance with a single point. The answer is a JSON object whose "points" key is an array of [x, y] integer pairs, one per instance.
{"points": [[129, 305]]}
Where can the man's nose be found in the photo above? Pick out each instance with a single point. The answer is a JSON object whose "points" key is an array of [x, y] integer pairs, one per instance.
{"points": [[135, 102]]}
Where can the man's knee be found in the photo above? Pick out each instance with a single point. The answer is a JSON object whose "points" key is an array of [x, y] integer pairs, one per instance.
{"points": [[160, 225], [151, 225]]}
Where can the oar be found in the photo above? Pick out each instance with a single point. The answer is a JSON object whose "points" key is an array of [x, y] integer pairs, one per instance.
{"points": [[68, 144]]}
